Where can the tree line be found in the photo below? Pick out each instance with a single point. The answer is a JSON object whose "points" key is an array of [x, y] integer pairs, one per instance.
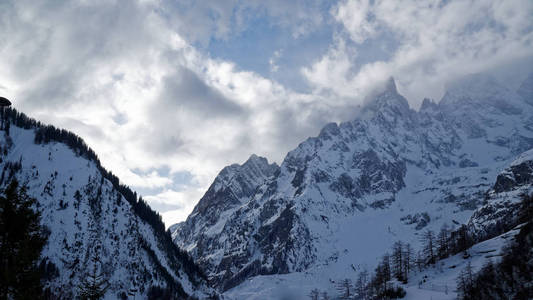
{"points": [[403, 260], [512, 277], [178, 258]]}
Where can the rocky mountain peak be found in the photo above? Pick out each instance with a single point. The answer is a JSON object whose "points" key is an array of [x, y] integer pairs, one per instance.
{"points": [[387, 101], [428, 104], [236, 182], [391, 167], [259, 165], [390, 86]]}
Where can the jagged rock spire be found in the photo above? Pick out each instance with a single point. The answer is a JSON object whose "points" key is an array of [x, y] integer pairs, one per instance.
{"points": [[391, 85]]}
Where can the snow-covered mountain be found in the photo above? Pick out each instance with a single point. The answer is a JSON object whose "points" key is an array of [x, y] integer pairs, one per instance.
{"points": [[88, 213], [503, 201], [339, 200]]}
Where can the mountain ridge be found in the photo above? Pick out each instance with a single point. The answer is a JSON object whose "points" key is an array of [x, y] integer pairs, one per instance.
{"points": [[89, 213], [361, 169]]}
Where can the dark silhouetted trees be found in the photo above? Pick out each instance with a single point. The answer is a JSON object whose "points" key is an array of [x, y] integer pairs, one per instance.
{"points": [[21, 241], [512, 277], [47, 134], [94, 285]]}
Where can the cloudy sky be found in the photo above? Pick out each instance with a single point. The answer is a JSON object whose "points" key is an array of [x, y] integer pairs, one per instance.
{"points": [[169, 92]]}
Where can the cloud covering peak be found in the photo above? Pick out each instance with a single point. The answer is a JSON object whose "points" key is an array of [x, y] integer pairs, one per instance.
{"points": [[170, 92]]}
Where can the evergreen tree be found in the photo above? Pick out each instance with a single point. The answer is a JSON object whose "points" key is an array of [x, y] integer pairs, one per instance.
{"points": [[526, 208], [512, 276], [94, 286], [21, 241]]}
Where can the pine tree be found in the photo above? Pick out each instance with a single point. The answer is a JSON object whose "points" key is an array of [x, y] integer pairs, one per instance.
{"points": [[93, 286], [21, 241], [526, 208]]}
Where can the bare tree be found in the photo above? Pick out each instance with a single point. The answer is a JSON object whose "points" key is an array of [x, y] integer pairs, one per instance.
{"points": [[315, 293], [428, 238], [397, 260], [325, 296], [361, 285], [442, 242], [345, 288], [407, 260]]}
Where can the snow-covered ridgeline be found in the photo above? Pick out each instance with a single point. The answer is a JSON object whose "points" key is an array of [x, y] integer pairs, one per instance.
{"points": [[342, 198], [87, 215]]}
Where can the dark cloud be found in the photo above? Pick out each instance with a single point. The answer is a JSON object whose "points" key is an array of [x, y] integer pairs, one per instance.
{"points": [[57, 47], [51, 92], [185, 90], [140, 83]]}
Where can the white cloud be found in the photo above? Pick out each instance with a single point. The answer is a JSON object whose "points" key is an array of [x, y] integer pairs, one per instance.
{"points": [[436, 42], [175, 205], [119, 75], [355, 16], [130, 79]]}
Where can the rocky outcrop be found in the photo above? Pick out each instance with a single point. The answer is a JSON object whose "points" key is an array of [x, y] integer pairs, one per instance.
{"points": [[437, 162], [500, 210]]}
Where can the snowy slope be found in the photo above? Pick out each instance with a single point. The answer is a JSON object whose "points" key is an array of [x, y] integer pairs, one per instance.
{"points": [[437, 282], [339, 200], [440, 281], [502, 202], [87, 216]]}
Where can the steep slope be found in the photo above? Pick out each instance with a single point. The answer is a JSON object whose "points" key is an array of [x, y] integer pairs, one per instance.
{"points": [[502, 202], [494, 225], [232, 188], [89, 214], [342, 198]]}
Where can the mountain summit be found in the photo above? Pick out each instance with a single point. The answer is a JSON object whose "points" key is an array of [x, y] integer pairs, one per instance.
{"points": [[340, 199], [90, 216], [390, 86]]}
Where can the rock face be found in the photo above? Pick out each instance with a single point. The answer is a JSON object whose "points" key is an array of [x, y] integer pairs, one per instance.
{"points": [[502, 202], [343, 197], [89, 214]]}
